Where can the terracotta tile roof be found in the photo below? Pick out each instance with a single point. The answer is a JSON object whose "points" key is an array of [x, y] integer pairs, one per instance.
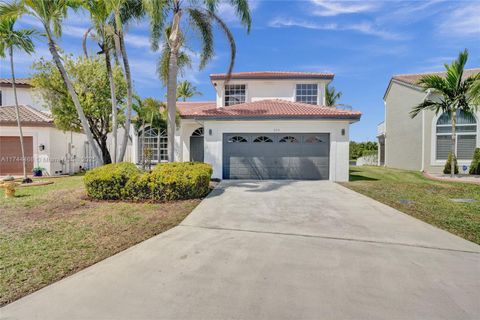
{"points": [[266, 109], [273, 75], [28, 116], [18, 81], [413, 79]]}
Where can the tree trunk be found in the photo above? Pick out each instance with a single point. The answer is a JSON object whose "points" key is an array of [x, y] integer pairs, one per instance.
{"points": [[174, 43], [17, 114], [128, 77], [114, 101], [454, 142], [73, 95], [105, 152]]}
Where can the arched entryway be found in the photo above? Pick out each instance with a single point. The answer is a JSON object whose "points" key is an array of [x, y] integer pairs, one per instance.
{"points": [[196, 145]]}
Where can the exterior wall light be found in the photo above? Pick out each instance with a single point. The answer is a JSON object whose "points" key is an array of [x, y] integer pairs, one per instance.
{"points": [[343, 132], [41, 147], [209, 132]]}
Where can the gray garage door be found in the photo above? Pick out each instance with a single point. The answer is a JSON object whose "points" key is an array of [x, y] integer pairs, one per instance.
{"points": [[297, 156]]}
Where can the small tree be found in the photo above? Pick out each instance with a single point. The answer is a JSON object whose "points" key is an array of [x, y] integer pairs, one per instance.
{"points": [[91, 84], [475, 166], [455, 93], [451, 164], [331, 96], [186, 90]]}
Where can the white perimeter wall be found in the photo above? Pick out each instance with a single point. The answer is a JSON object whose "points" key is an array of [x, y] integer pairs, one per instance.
{"points": [[339, 144]]}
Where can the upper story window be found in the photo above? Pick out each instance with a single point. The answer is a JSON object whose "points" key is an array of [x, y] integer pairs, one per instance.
{"points": [[466, 134], [307, 93], [235, 94], [1, 98]]}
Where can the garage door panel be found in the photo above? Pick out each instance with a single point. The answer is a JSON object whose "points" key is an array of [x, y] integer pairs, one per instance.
{"points": [[288, 156], [11, 155]]}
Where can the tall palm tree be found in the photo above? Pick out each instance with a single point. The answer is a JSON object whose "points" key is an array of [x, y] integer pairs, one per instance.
{"points": [[20, 39], [99, 15], [201, 16], [186, 90], [331, 95], [124, 11], [455, 93], [50, 13]]}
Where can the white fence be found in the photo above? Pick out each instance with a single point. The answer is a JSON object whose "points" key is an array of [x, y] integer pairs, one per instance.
{"points": [[370, 160]]}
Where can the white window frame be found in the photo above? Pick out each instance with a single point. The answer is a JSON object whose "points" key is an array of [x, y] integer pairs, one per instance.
{"points": [[225, 93], [161, 148], [434, 160], [306, 83]]}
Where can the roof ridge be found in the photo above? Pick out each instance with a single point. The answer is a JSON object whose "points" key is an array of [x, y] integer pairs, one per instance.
{"points": [[429, 72], [38, 113]]}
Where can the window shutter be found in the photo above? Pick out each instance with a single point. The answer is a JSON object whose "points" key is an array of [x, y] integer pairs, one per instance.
{"points": [[466, 146], [443, 147]]}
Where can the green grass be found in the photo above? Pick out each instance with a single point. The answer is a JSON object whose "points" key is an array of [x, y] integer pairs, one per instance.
{"points": [[431, 199], [49, 232]]}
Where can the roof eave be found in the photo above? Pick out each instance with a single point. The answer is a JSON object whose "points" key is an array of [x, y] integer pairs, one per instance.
{"points": [[236, 118]]}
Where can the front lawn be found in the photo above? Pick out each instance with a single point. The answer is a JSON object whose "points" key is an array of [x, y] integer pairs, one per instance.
{"points": [[49, 232], [422, 198]]}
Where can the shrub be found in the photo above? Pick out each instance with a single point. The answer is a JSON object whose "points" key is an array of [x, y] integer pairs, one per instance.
{"points": [[108, 182], [448, 165], [475, 166], [179, 180]]}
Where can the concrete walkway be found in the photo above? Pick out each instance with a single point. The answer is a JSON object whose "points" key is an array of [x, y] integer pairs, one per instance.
{"points": [[276, 250]]}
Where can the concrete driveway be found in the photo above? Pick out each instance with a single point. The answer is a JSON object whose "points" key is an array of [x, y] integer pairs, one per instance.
{"points": [[276, 250]]}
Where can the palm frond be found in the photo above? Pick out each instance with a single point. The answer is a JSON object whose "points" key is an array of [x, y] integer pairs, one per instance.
{"points": [[428, 105], [203, 23], [231, 40], [242, 10], [434, 83], [157, 11]]}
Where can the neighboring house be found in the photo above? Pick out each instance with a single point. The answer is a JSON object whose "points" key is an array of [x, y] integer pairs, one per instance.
{"points": [[263, 125], [56, 151], [422, 143]]}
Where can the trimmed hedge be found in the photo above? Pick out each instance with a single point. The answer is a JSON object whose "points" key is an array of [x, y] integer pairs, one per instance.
{"points": [[167, 181], [108, 182], [448, 165], [475, 166]]}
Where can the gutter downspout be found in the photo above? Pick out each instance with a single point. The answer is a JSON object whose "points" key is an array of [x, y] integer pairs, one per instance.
{"points": [[423, 133]]}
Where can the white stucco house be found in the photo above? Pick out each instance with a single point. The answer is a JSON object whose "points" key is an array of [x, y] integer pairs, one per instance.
{"points": [[262, 125], [56, 151], [422, 143]]}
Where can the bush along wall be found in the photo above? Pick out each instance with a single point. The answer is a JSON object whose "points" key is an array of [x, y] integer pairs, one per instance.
{"points": [[448, 167], [475, 166], [108, 182], [167, 181]]}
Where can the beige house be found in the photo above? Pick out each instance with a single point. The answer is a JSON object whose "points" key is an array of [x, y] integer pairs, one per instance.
{"points": [[422, 143]]}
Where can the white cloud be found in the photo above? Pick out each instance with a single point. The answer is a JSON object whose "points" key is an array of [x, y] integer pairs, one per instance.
{"points": [[462, 21], [327, 8], [364, 27]]}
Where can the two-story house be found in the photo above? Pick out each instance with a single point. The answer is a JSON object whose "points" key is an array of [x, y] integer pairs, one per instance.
{"points": [[56, 151], [263, 125], [424, 142]]}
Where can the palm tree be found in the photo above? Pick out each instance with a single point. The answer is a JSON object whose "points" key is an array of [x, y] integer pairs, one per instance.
{"points": [[50, 13], [201, 18], [122, 12], [454, 92], [331, 95], [99, 14], [186, 90], [21, 39]]}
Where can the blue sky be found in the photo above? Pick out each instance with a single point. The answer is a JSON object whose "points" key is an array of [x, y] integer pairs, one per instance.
{"points": [[363, 42]]}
